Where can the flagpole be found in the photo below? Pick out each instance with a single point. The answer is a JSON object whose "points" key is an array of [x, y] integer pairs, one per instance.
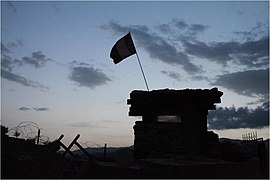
{"points": [[142, 71]]}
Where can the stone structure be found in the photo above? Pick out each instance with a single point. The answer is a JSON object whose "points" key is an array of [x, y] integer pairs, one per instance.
{"points": [[173, 121]]}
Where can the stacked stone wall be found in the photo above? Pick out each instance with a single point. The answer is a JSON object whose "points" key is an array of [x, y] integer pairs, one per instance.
{"points": [[158, 137]]}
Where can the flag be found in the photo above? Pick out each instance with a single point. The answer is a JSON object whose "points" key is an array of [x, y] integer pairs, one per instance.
{"points": [[122, 49]]}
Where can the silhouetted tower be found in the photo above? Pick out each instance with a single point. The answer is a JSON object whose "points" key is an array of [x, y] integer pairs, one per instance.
{"points": [[173, 121]]}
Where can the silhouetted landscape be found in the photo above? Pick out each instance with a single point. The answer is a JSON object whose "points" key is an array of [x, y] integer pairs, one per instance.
{"points": [[236, 161], [163, 148]]}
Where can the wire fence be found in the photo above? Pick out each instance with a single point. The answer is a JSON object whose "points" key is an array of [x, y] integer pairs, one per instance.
{"points": [[250, 136], [28, 130]]}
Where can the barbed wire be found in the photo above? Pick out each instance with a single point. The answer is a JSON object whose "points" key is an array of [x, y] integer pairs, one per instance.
{"points": [[86, 144], [28, 130]]}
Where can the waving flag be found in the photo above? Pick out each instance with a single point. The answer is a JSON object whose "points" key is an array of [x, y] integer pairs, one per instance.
{"points": [[122, 49]]}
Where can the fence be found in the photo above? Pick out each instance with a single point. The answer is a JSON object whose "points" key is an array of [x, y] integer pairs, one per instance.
{"points": [[52, 167], [250, 136], [252, 141]]}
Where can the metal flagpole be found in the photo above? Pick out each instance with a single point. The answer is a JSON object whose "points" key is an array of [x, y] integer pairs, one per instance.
{"points": [[142, 71]]}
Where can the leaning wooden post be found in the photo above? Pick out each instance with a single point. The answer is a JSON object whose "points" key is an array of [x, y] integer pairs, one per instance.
{"points": [[83, 150], [104, 153], [71, 144]]}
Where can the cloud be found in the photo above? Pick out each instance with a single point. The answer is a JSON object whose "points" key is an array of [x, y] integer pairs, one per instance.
{"points": [[249, 83], [21, 80], [197, 28], [180, 24], [243, 117], [173, 75], [8, 63], [38, 59], [252, 50], [16, 44], [218, 52], [81, 124], [259, 30], [36, 109], [176, 42], [4, 49], [24, 109], [187, 29], [100, 124], [88, 76], [164, 28], [199, 78], [158, 48], [41, 109], [252, 53]]}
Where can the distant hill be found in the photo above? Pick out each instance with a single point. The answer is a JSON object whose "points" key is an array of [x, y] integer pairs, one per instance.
{"points": [[126, 153], [115, 153], [238, 141]]}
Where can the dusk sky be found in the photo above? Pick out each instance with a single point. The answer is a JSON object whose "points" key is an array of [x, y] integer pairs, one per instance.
{"points": [[56, 68]]}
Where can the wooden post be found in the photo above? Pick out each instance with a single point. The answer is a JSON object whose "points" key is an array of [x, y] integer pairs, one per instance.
{"points": [[67, 150], [58, 141], [104, 153], [83, 150], [38, 136], [71, 144]]}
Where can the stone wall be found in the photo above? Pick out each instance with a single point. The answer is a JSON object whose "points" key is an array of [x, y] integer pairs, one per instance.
{"points": [[157, 137], [189, 105], [163, 138]]}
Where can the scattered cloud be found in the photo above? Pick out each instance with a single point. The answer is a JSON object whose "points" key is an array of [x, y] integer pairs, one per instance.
{"points": [[16, 44], [4, 49], [186, 29], [243, 117], [100, 124], [249, 83], [177, 76], [38, 59], [197, 28], [86, 75], [259, 30], [219, 52], [177, 43], [199, 78], [158, 48], [36, 109], [21, 80], [76, 63], [81, 124], [173, 75], [8, 63], [164, 28], [24, 109], [180, 24], [240, 12], [41, 109], [250, 53]]}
